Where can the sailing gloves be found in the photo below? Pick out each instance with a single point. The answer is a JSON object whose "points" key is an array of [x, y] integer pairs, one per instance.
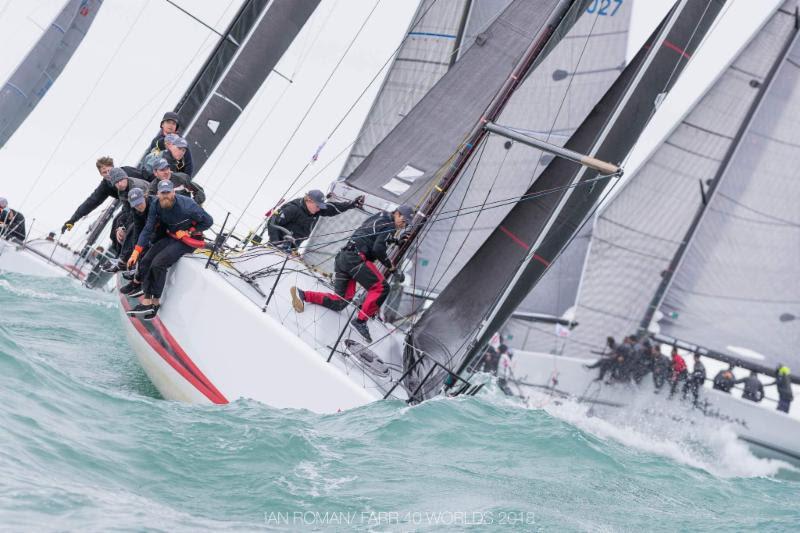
{"points": [[134, 256], [358, 203], [67, 226]]}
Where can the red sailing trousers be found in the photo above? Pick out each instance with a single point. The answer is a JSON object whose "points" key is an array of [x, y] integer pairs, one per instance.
{"points": [[351, 268]]}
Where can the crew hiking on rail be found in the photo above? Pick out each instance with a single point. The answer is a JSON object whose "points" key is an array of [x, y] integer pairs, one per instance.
{"points": [[355, 264]]}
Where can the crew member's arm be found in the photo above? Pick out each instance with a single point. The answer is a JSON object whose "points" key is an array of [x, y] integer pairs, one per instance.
{"points": [[276, 224], [188, 166], [149, 226], [382, 234], [337, 208], [202, 219], [98, 196]]}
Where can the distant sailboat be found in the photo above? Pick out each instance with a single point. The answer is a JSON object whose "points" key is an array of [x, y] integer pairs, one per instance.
{"points": [[699, 246], [270, 353]]}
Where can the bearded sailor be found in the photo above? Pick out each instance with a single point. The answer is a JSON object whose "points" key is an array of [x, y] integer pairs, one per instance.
{"points": [[182, 222]]}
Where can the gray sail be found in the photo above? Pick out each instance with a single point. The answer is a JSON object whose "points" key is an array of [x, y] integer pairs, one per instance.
{"points": [[426, 54], [735, 289], [403, 166], [482, 296], [239, 65], [641, 228], [44, 63], [551, 105]]}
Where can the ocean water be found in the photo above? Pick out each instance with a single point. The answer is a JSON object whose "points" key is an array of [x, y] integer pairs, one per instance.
{"points": [[87, 444]]}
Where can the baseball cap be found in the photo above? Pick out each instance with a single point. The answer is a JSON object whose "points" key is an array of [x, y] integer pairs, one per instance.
{"points": [[177, 140], [406, 212], [136, 197], [115, 175], [318, 198], [165, 186], [160, 164]]}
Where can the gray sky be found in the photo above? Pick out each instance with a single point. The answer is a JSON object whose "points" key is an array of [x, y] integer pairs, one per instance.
{"points": [[140, 55]]}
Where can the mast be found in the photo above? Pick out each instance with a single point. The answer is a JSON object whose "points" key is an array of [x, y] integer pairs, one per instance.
{"points": [[722, 171]]}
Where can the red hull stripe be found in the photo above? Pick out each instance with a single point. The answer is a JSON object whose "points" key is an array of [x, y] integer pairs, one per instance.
{"points": [[168, 348]]}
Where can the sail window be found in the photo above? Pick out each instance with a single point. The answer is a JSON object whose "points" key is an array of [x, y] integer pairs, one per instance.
{"points": [[403, 180]]}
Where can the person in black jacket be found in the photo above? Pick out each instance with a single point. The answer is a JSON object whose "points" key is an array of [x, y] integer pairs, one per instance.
{"points": [[183, 182], [724, 380], [753, 388], [12, 223], [104, 190], [784, 382], [175, 149], [170, 123], [696, 379], [355, 264], [292, 223], [180, 220]]}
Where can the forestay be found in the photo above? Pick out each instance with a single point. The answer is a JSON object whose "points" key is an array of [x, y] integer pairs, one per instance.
{"points": [[44, 63], [641, 228]]}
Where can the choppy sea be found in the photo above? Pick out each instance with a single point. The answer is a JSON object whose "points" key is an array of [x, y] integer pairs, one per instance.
{"points": [[87, 444]]}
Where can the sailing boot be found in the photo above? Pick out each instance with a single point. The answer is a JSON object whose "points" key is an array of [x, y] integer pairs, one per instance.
{"points": [[113, 267], [360, 326], [152, 314], [142, 309], [298, 297], [132, 289]]}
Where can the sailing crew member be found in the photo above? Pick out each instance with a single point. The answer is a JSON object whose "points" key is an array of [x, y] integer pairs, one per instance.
{"points": [[783, 380], [176, 152], [138, 202], [724, 380], [183, 182], [753, 388], [182, 222], [504, 369], [292, 223], [696, 379], [679, 371], [607, 359], [170, 123], [103, 191], [355, 264], [12, 223]]}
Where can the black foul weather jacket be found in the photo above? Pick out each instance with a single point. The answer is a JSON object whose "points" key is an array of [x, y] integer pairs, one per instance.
{"points": [[373, 238], [295, 217]]}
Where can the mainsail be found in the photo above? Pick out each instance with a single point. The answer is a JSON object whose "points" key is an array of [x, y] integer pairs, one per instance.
{"points": [[43, 64], [641, 229], [735, 289], [550, 105], [500, 274]]}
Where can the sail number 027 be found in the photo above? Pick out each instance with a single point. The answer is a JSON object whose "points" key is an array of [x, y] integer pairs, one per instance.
{"points": [[602, 7]]}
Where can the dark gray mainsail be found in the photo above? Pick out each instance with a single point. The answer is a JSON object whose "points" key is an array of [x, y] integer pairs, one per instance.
{"points": [[734, 289], [502, 272], [551, 104], [252, 45], [640, 230], [44, 63], [405, 164]]}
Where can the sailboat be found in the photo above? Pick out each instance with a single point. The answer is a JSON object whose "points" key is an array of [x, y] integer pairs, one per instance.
{"points": [[696, 249], [20, 94], [253, 43], [226, 328]]}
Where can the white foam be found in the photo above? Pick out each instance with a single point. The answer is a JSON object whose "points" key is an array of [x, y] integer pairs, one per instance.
{"points": [[40, 295]]}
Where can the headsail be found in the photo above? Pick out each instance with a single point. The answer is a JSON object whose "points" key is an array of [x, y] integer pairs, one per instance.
{"points": [[643, 225], [44, 63], [502, 272]]}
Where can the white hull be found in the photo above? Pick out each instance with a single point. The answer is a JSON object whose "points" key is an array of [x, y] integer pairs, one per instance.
{"points": [[767, 431], [211, 342], [15, 258]]}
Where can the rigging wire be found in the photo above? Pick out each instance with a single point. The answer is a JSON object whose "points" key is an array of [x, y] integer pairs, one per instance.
{"points": [[308, 111], [85, 102]]}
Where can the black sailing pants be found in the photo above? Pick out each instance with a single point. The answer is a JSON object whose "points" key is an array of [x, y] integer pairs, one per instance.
{"points": [[153, 267]]}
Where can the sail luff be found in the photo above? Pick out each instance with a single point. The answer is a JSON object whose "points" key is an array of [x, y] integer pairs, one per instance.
{"points": [[722, 172], [42, 65]]}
